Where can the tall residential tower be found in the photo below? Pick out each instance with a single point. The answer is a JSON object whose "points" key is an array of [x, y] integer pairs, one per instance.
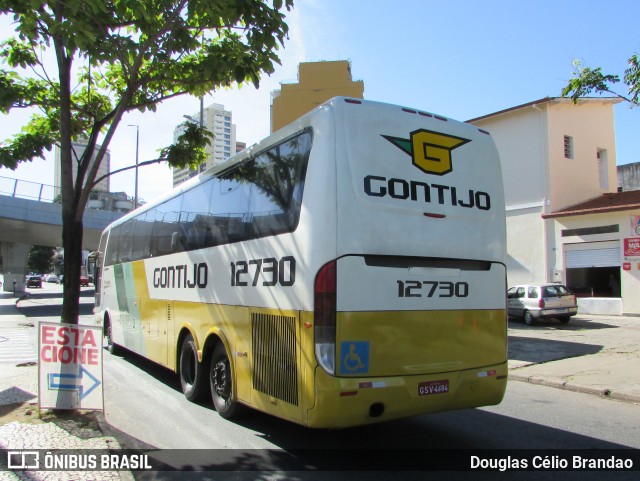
{"points": [[218, 121]]}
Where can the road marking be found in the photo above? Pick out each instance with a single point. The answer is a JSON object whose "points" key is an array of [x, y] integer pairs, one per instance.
{"points": [[17, 345]]}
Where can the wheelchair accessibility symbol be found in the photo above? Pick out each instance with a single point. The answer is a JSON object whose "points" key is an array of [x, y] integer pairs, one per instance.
{"points": [[354, 357]]}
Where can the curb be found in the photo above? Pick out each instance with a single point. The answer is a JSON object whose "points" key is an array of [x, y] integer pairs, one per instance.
{"points": [[106, 430], [24, 296], [567, 386]]}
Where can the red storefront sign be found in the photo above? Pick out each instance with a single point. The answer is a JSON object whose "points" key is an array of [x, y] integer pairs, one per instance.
{"points": [[632, 247]]}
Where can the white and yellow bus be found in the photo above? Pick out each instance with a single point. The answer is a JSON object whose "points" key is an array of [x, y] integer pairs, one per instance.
{"points": [[347, 270]]}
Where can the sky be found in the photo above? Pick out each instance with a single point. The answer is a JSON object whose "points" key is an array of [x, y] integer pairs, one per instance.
{"points": [[458, 58]]}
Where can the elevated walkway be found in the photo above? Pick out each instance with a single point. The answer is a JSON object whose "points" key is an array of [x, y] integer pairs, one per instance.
{"points": [[29, 216]]}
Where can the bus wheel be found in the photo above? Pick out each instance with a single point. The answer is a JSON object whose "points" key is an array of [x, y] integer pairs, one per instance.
{"points": [[192, 377], [221, 381], [108, 335]]}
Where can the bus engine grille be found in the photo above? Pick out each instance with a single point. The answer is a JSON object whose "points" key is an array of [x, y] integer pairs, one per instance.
{"points": [[275, 370]]}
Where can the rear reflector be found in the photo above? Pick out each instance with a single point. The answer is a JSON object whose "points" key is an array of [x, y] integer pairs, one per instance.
{"points": [[325, 316], [348, 393]]}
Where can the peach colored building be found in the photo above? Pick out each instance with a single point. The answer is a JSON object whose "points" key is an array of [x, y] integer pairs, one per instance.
{"points": [[555, 156]]}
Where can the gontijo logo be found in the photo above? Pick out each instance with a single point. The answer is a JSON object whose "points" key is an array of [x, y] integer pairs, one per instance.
{"points": [[430, 151]]}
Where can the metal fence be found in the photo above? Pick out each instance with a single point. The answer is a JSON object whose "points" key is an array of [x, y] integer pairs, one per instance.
{"points": [[25, 189]]}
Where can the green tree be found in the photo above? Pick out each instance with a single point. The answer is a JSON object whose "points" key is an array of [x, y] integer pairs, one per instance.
{"points": [[586, 80], [125, 55], [40, 259]]}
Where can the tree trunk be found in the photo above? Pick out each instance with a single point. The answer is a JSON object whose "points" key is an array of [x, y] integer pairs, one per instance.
{"points": [[72, 231], [71, 210]]}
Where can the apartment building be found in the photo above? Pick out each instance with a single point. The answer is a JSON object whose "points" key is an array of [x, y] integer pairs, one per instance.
{"points": [[218, 121]]}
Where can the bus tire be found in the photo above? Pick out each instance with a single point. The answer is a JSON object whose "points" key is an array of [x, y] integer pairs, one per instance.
{"points": [[221, 382], [192, 375], [108, 335]]}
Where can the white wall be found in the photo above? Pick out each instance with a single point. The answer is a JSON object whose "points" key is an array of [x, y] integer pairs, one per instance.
{"points": [[525, 246], [539, 180], [520, 137]]}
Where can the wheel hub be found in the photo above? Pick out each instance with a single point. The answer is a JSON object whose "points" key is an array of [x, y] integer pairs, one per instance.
{"points": [[219, 376]]}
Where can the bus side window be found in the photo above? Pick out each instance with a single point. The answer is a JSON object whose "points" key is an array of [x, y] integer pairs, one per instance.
{"points": [[268, 197], [98, 262], [165, 224], [126, 242], [112, 250], [175, 242], [194, 215], [229, 202], [143, 230], [277, 178]]}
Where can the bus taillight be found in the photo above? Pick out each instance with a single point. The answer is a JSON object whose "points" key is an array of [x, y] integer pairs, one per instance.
{"points": [[325, 316]]}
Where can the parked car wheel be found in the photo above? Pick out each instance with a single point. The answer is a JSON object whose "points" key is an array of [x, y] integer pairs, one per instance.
{"points": [[529, 319]]}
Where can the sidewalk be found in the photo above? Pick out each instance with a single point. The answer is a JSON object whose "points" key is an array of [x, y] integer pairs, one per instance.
{"points": [[591, 354], [22, 426]]}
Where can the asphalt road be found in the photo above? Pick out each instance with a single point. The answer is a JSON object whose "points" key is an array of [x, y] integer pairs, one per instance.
{"points": [[144, 409], [531, 417]]}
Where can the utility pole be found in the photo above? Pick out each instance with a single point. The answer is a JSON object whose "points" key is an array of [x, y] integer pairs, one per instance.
{"points": [[135, 196]]}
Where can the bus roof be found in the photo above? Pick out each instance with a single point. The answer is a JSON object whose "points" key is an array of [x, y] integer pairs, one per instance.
{"points": [[264, 144]]}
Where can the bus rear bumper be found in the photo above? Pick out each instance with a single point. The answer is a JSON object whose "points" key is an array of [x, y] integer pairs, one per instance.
{"points": [[345, 402]]}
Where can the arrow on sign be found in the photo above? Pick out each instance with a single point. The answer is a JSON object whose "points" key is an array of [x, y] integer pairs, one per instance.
{"points": [[74, 382]]}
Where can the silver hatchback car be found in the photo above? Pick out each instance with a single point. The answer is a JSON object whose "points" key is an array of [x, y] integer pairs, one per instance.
{"points": [[541, 301]]}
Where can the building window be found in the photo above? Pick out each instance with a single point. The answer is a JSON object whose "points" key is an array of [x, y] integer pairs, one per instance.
{"points": [[568, 147], [605, 229], [603, 168]]}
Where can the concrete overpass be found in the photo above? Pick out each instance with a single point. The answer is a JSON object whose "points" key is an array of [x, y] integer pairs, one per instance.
{"points": [[28, 216]]}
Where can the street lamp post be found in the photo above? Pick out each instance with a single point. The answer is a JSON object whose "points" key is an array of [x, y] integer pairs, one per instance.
{"points": [[135, 196]]}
